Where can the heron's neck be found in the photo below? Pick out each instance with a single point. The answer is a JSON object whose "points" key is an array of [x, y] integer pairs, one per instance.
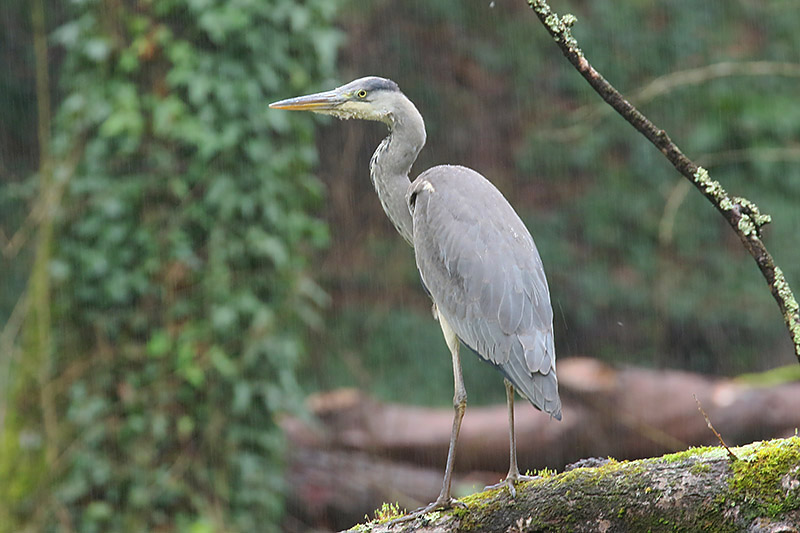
{"points": [[392, 162]]}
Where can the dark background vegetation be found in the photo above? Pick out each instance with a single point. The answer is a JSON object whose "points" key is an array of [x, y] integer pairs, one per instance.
{"points": [[197, 264]]}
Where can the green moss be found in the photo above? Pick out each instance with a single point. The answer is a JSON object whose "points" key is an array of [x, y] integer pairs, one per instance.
{"points": [[688, 453], [476, 505], [772, 377], [386, 512], [758, 478], [23, 464], [763, 483], [700, 468], [545, 473]]}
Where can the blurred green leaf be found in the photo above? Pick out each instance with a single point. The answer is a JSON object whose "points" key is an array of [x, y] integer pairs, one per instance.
{"points": [[159, 344]]}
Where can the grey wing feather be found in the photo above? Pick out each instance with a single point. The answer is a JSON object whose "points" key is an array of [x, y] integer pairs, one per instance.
{"points": [[481, 267]]}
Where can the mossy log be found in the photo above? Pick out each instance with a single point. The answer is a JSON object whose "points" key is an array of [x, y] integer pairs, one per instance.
{"points": [[701, 489], [361, 452]]}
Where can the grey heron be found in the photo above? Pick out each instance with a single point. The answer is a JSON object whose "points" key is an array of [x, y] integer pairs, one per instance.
{"points": [[476, 258]]}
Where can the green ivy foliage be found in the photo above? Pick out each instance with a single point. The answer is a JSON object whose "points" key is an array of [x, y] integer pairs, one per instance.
{"points": [[181, 277]]}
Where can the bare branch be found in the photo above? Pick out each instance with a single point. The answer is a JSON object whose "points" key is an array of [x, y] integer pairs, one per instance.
{"points": [[743, 215], [770, 154], [48, 201], [587, 115], [713, 429], [8, 352], [696, 76]]}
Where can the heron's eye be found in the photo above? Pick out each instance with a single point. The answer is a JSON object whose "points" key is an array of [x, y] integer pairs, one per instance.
{"points": [[362, 93]]}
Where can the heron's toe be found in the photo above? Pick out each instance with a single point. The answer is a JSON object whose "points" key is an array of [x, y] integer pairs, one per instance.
{"points": [[506, 483], [440, 504], [510, 483]]}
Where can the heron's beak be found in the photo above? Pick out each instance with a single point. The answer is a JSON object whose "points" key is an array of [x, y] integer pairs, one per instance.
{"points": [[324, 102]]}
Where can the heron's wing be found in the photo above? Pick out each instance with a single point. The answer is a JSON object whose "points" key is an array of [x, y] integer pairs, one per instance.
{"points": [[481, 267]]}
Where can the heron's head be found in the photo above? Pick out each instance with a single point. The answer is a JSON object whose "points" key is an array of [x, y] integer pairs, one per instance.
{"points": [[369, 98]]}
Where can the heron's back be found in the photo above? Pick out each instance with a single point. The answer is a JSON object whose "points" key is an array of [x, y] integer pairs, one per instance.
{"points": [[481, 267]]}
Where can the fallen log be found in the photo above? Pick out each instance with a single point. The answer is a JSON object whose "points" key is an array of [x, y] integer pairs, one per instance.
{"points": [[626, 413], [697, 490], [360, 453]]}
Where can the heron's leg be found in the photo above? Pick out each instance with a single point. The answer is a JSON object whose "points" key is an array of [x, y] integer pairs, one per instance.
{"points": [[513, 470], [444, 501], [460, 406], [513, 475]]}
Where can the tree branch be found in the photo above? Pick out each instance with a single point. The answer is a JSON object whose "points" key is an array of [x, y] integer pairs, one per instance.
{"points": [[743, 215], [586, 116], [41, 327]]}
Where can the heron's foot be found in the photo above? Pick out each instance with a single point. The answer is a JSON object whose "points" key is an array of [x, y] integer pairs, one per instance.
{"points": [[440, 504], [510, 483]]}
